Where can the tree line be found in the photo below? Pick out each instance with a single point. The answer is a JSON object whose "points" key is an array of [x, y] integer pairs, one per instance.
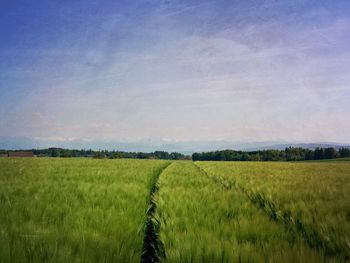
{"points": [[60, 152], [288, 154]]}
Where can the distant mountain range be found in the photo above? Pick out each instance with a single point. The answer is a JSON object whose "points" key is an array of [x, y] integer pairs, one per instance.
{"points": [[186, 147]]}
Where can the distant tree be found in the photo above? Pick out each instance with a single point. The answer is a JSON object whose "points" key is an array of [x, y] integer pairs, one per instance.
{"points": [[309, 155], [330, 153], [99, 155], [245, 157], [344, 152], [319, 153], [255, 157], [161, 155], [54, 153], [195, 156]]}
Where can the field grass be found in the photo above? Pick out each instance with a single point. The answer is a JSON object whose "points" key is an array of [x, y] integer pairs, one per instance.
{"points": [[87, 210], [344, 159], [202, 221], [74, 210], [313, 198]]}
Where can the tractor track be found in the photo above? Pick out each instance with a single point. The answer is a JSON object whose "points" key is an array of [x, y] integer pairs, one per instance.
{"points": [[310, 235], [153, 249]]}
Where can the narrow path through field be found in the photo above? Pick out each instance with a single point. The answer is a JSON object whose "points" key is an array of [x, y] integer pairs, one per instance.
{"points": [[152, 249]]}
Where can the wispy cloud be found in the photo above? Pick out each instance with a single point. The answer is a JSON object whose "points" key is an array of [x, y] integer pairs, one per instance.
{"points": [[181, 71]]}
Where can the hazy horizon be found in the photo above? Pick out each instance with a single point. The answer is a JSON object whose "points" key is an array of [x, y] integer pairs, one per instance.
{"points": [[242, 71], [185, 147]]}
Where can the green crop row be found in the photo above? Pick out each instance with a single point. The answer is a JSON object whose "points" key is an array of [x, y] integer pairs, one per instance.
{"points": [[74, 210], [201, 221], [313, 198]]}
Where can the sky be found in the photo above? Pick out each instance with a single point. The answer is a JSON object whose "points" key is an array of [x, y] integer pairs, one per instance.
{"points": [[175, 70]]}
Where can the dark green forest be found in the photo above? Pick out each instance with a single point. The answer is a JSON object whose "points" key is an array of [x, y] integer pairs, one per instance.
{"points": [[60, 152], [288, 154]]}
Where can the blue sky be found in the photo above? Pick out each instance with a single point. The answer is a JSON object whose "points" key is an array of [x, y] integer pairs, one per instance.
{"points": [[175, 70]]}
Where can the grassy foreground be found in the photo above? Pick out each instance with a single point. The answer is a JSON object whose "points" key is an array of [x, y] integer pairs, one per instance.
{"points": [[201, 221], [312, 198], [87, 210], [73, 210]]}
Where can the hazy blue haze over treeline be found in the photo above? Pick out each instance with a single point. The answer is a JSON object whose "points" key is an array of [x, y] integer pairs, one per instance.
{"points": [[185, 147]]}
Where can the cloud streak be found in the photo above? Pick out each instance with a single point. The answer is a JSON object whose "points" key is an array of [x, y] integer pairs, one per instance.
{"points": [[183, 71]]}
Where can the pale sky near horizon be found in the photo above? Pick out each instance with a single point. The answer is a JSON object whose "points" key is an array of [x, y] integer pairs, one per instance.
{"points": [[175, 70]]}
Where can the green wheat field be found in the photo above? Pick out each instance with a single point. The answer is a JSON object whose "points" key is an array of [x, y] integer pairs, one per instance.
{"points": [[91, 210]]}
